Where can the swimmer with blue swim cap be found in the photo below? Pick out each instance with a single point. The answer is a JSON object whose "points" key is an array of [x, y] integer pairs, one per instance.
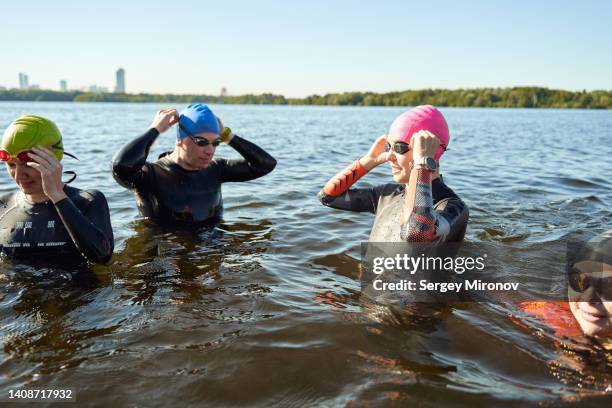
{"points": [[184, 186]]}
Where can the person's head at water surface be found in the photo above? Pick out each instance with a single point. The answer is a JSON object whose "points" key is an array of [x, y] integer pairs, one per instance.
{"points": [[198, 133], [30, 139], [590, 286], [415, 134]]}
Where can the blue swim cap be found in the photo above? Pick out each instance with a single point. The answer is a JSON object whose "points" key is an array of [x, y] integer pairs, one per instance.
{"points": [[197, 118]]}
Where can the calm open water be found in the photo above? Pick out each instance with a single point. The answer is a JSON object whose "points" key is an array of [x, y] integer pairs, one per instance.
{"points": [[265, 309]]}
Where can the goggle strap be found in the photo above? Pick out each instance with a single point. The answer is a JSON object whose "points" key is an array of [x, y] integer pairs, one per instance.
{"points": [[74, 176], [71, 155]]}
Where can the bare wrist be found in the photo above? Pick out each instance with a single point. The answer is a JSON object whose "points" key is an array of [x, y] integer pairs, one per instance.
{"points": [[367, 163], [416, 158]]}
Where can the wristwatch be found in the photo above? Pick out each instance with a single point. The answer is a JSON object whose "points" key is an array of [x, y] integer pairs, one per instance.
{"points": [[428, 163]]}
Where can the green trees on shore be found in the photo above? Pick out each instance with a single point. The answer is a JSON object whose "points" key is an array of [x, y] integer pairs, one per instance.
{"points": [[518, 97]]}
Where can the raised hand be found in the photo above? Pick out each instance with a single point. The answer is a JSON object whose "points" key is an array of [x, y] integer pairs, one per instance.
{"points": [[376, 155], [51, 171], [164, 119], [424, 144], [225, 133]]}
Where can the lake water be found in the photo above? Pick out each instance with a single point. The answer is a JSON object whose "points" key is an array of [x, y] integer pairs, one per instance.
{"points": [[265, 309]]}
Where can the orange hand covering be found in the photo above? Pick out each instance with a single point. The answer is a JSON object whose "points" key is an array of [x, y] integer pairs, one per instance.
{"points": [[556, 315], [343, 180]]}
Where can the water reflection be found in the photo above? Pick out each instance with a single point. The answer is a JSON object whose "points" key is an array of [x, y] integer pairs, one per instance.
{"points": [[40, 306], [270, 312], [56, 318]]}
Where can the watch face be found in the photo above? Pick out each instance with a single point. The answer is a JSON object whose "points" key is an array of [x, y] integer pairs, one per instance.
{"points": [[431, 163]]}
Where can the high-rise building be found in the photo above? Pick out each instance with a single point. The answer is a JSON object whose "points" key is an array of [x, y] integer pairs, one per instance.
{"points": [[63, 85], [23, 81], [120, 86], [223, 92]]}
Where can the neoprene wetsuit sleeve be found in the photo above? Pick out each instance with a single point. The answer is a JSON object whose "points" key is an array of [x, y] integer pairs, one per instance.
{"points": [[424, 223], [456, 213], [90, 231], [337, 194], [256, 163], [128, 163]]}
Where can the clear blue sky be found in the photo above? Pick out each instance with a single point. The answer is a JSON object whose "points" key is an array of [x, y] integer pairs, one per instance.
{"points": [[301, 48]]}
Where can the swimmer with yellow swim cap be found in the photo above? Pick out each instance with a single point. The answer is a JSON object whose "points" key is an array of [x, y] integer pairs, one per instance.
{"points": [[46, 218]]}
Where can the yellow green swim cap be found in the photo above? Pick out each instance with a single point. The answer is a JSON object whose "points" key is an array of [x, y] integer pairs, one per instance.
{"points": [[30, 131]]}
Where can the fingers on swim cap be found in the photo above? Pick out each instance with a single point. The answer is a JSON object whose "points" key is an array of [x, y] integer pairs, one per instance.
{"points": [[197, 118], [30, 131], [423, 117]]}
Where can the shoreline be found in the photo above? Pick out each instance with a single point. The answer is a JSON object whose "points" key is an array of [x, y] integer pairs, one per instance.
{"points": [[516, 97]]}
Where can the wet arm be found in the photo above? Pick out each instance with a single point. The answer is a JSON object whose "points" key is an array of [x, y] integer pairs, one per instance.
{"points": [[129, 161], [420, 221], [90, 231], [256, 163]]}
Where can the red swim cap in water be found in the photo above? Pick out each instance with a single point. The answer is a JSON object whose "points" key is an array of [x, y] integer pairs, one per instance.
{"points": [[424, 117]]}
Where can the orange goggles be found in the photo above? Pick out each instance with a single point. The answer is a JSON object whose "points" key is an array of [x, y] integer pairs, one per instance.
{"points": [[23, 156]]}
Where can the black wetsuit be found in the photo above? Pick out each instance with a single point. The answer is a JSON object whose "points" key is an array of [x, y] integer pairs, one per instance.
{"points": [[450, 217], [387, 201], [75, 229], [169, 194]]}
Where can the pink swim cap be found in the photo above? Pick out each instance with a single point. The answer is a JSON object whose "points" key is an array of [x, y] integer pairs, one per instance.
{"points": [[424, 117]]}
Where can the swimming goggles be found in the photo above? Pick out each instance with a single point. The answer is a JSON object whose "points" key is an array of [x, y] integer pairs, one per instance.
{"points": [[398, 147], [200, 141], [24, 156], [580, 281], [403, 147]]}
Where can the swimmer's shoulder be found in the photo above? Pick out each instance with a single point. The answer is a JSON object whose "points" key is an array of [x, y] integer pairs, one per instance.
{"points": [[84, 198], [7, 198]]}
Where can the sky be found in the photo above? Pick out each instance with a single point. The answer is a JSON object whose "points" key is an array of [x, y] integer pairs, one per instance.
{"points": [[303, 48]]}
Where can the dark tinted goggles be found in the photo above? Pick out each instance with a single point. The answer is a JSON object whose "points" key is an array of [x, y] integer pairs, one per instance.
{"points": [[200, 141], [580, 281], [398, 147]]}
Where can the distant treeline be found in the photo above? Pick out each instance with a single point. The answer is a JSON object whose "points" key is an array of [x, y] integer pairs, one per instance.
{"points": [[518, 97]]}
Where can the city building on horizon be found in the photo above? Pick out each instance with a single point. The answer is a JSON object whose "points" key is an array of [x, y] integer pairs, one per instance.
{"points": [[95, 89], [23, 81], [223, 92], [120, 81], [63, 86]]}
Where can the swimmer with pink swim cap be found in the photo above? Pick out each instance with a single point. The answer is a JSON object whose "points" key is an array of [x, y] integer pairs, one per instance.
{"points": [[418, 207], [421, 118]]}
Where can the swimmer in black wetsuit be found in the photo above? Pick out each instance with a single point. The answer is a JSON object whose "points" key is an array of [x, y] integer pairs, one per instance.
{"points": [[417, 209], [184, 187], [47, 220], [421, 208]]}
